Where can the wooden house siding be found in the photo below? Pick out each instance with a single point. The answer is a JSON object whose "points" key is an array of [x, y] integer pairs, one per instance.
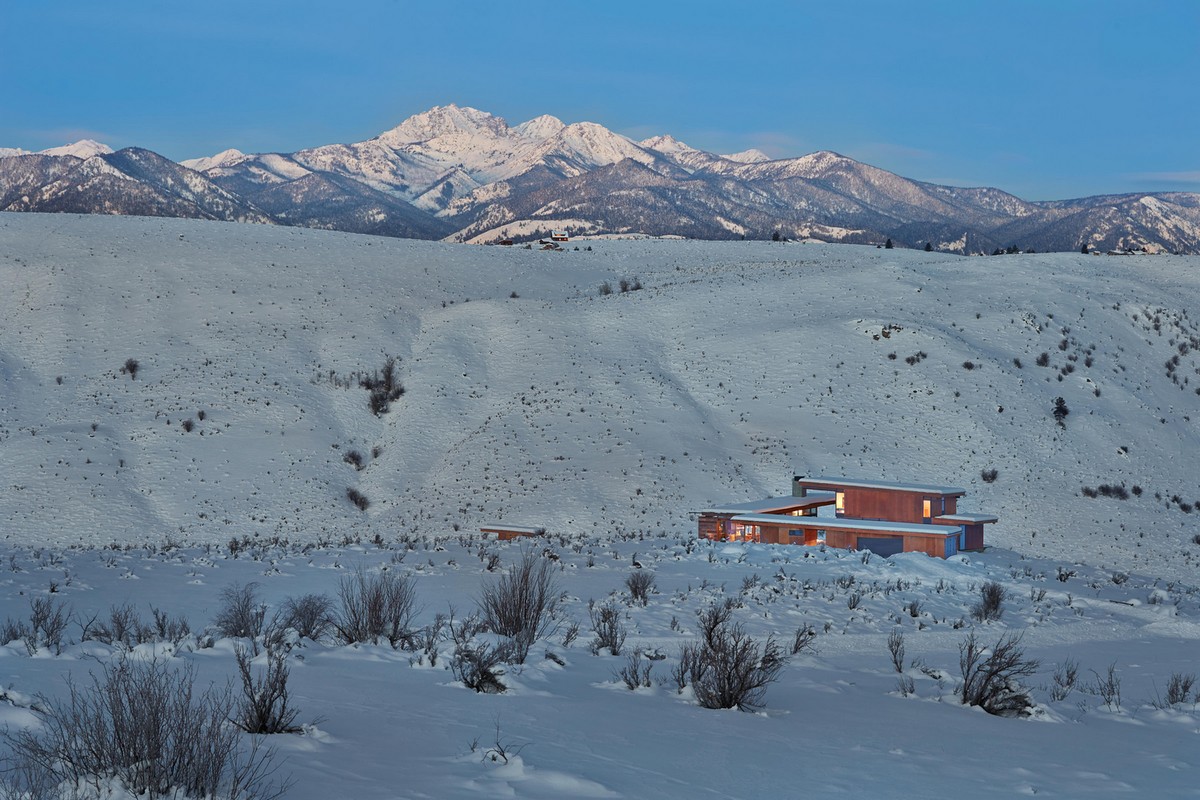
{"points": [[896, 506]]}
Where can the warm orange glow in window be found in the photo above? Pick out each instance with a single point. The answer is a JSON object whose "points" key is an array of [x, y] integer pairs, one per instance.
{"points": [[928, 509], [840, 502]]}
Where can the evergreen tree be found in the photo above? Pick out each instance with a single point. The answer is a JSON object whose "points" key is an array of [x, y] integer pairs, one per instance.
{"points": [[889, 244], [929, 247]]}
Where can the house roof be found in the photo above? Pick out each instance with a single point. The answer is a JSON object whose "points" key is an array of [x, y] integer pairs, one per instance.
{"points": [[834, 483], [512, 528], [774, 504], [848, 524], [974, 519]]}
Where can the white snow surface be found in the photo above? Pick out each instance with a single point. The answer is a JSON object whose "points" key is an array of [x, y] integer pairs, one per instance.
{"points": [[221, 159], [607, 419], [84, 148], [751, 156]]}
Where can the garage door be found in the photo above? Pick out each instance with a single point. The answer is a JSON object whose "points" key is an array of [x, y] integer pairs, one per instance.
{"points": [[881, 546]]}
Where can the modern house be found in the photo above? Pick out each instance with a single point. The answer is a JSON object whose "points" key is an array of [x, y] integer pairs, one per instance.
{"points": [[507, 532], [879, 516]]}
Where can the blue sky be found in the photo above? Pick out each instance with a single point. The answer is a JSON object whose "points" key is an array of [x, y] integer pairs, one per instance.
{"points": [[1047, 99]]}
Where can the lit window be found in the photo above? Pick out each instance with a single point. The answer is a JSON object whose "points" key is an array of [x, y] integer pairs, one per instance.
{"points": [[840, 503], [927, 511]]}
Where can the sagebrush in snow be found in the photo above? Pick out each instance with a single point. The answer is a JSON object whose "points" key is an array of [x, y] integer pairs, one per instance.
{"points": [[523, 603], [144, 726], [991, 676]]}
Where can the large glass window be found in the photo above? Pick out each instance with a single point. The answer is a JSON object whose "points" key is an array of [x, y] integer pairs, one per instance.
{"points": [[840, 503], [927, 510]]}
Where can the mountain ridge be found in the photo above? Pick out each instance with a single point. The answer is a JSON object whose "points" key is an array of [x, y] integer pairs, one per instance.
{"points": [[463, 174]]}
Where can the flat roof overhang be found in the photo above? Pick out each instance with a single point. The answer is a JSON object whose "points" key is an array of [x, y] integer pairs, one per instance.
{"points": [[842, 523], [837, 484], [969, 519], [775, 504], [510, 529]]}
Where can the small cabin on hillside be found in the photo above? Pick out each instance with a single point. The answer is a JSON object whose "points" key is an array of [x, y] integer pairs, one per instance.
{"points": [[880, 516], [507, 532], [559, 236]]}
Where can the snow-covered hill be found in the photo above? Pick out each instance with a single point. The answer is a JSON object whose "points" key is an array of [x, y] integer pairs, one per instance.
{"points": [[737, 365], [222, 457]]}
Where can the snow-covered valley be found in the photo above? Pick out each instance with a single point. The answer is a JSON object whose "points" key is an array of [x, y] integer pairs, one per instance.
{"points": [[533, 397]]}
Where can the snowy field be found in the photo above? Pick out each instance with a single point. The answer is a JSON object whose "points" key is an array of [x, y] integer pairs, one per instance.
{"points": [[533, 398]]}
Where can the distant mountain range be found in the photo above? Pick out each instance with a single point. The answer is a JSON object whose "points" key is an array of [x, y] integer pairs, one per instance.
{"points": [[461, 174]]}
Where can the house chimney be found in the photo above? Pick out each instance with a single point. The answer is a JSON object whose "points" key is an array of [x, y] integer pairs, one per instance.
{"points": [[797, 489]]}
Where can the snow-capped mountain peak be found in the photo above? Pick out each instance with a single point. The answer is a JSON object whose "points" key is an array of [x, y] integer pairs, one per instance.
{"points": [[221, 159], [442, 122], [84, 148], [5, 152], [667, 145], [751, 156], [539, 128]]}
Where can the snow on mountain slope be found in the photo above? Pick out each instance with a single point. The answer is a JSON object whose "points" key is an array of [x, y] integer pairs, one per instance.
{"points": [[751, 156], [84, 148], [557, 406], [219, 160], [224, 458]]}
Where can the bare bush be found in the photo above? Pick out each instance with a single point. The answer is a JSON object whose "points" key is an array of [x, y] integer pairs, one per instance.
{"points": [[727, 668], [635, 674], [805, 639], [1065, 677], [991, 677], [309, 615], [124, 628], [523, 603], [130, 368], [48, 621], [989, 475], [360, 500], [264, 707], [429, 637], [895, 644], [477, 663], [168, 629], [383, 387], [640, 584], [991, 602], [1107, 687], [1179, 688], [374, 607], [143, 727], [610, 630], [241, 614]]}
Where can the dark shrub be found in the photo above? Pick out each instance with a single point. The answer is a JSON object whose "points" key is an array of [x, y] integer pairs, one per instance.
{"points": [[374, 607], [990, 679], [241, 614], [264, 707], [358, 498], [640, 584], [148, 730], [523, 603], [991, 602], [727, 668]]}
